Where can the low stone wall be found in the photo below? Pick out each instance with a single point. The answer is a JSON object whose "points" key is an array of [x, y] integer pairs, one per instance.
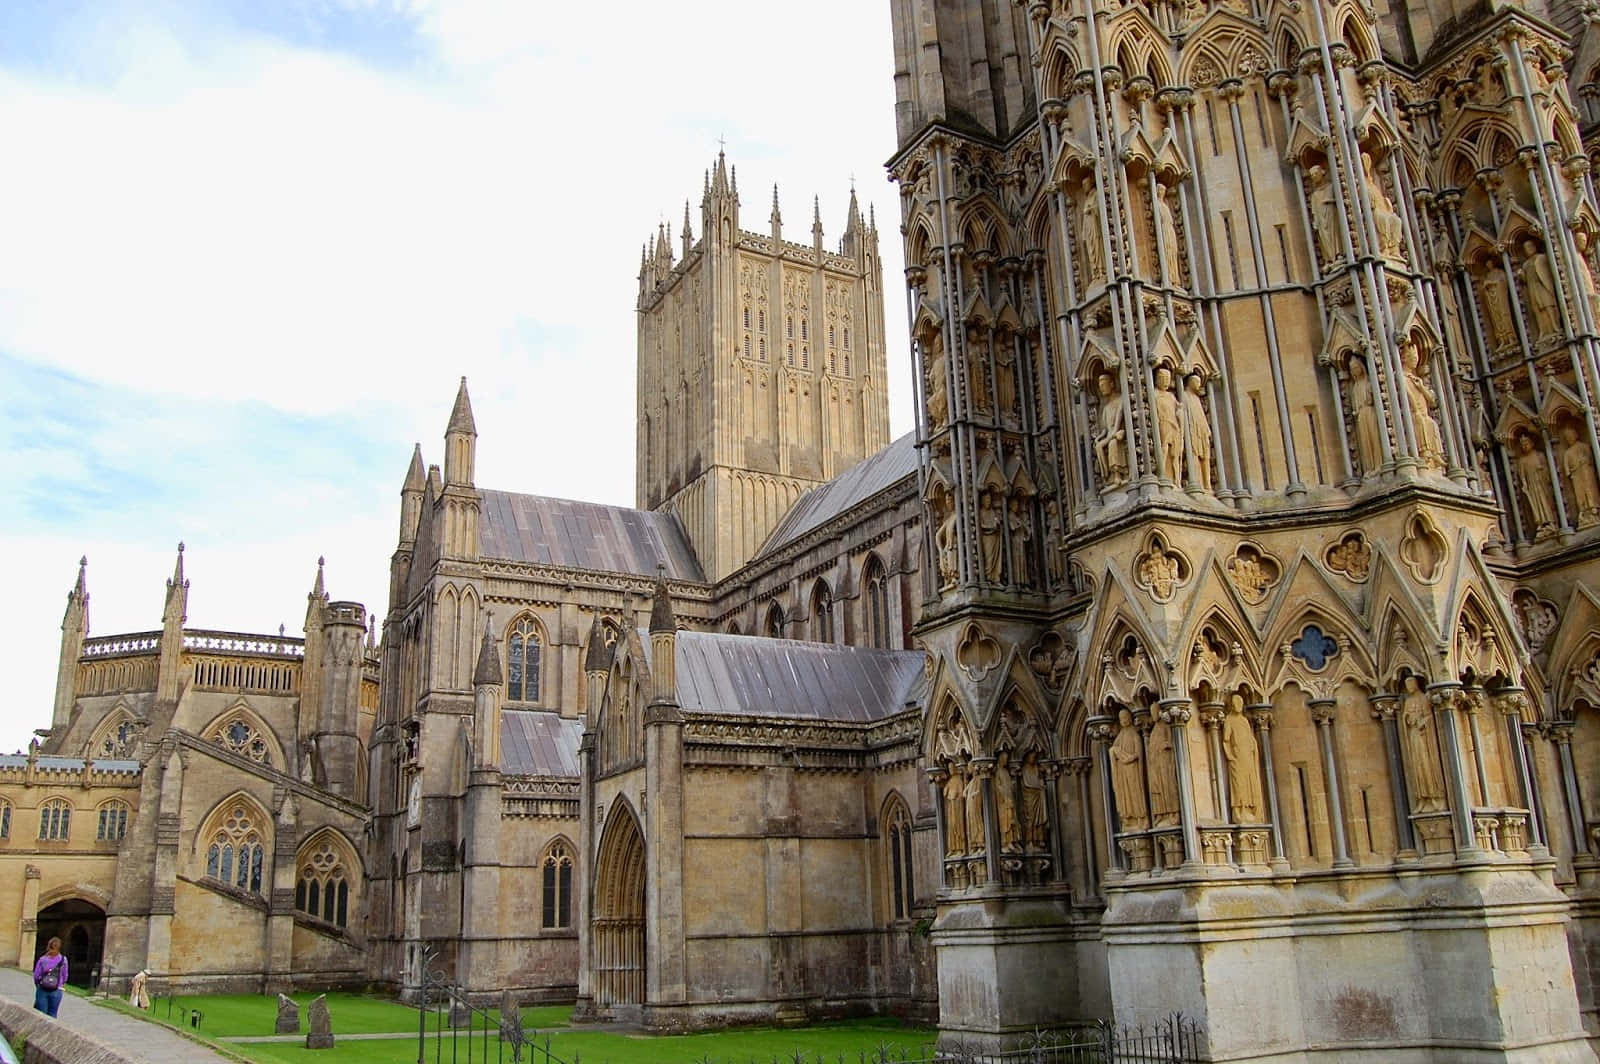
{"points": [[51, 1043]]}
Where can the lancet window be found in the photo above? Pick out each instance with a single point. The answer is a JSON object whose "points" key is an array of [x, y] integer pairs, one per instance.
{"points": [[236, 851], [822, 612], [557, 894], [113, 822], [775, 622], [5, 820], [55, 820], [322, 885], [901, 885], [523, 658], [877, 604]]}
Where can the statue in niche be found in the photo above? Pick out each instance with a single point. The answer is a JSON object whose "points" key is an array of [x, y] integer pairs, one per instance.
{"points": [[948, 543], [1427, 778], [1167, 223], [1577, 465], [1196, 431], [1325, 213], [1054, 562], [1005, 378], [1035, 815], [991, 523], [1017, 526], [955, 814], [1585, 273], [1429, 442], [1090, 251], [1169, 422], [972, 798], [1244, 764], [1111, 436], [1533, 473], [1127, 774], [1005, 804], [1496, 299], [1385, 219], [1540, 286], [938, 394], [1369, 437], [978, 388], [1163, 769]]}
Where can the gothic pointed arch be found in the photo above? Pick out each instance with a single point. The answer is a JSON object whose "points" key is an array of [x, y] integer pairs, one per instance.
{"points": [[556, 869], [241, 730], [117, 735], [617, 936], [895, 827], [233, 843], [328, 877], [525, 640]]}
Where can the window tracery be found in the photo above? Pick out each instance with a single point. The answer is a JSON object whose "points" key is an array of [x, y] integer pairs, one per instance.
{"points": [[236, 851], [901, 885], [523, 650], [55, 820], [240, 737], [113, 822], [322, 885], [877, 605], [557, 895], [822, 612], [118, 742]]}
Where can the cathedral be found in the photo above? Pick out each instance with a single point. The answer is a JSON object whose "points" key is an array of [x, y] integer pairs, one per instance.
{"points": [[1223, 639]]}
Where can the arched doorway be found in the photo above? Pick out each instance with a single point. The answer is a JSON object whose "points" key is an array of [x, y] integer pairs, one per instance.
{"points": [[81, 927], [617, 943]]}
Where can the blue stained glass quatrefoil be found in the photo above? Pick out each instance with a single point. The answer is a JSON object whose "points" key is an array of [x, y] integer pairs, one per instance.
{"points": [[1314, 647]]}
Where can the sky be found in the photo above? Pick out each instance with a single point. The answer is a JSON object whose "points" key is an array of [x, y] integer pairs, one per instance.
{"points": [[249, 248]]}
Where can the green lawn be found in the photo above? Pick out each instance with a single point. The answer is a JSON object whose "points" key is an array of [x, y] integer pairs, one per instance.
{"points": [[848, 1042]]}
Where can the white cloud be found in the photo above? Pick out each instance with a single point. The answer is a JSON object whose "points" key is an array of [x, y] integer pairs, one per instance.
{"points": [[202, 210]]}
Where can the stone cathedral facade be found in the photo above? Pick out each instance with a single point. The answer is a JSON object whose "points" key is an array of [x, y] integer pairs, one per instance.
{"points": [[1223, 639]]}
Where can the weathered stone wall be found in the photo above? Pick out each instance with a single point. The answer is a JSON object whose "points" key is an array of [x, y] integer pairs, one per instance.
{"points": [[50, 1043]]}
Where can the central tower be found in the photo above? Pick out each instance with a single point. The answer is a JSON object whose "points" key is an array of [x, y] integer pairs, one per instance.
{"points": [[761, 369]]}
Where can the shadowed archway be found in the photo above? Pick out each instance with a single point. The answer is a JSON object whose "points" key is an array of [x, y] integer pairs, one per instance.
{"points": [[618, 942]]}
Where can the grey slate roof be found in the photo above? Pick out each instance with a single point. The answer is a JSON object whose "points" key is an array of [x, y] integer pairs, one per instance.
{"points": [[584, 535], [758, 677], [55, 763], [850, 488], [537, 743]]}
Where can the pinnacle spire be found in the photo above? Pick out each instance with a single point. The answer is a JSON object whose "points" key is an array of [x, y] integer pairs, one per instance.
{"points": [[662, 617], [318, 589], [600, 653], [461, 413], [688, 234], [415, 477], [82, 587], [177, 570], [488, 669], [777, 215]]}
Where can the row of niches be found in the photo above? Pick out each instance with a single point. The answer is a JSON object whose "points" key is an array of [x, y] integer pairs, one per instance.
{"points": [[1014, 536], [1543, 454]]}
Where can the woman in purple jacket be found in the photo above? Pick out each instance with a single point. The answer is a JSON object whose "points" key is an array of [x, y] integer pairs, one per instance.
{"points": [[49, 976]]}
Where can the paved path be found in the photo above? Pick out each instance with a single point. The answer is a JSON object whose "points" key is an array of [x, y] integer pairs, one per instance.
{"points": [[139, 1040]]}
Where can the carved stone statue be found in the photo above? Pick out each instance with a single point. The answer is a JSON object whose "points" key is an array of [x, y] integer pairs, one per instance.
{"points": [[991, 525], [1429, 442], [973, 799], [947, 542], [938, 393], [1369, 437], [1496, 299], [1325, 213], [1005, 804], [1427, 778], [1054, 562], [955, 816], [1169, 422], [1540, 286], [1163, 772], [1585, 274], [1005, 378], [1167, 224], [1533, 473], [1111, 435], [1196, 432], [1385, 219], [1090, 251], [1244, 765], [1018, 526], [1035, 815], [1127, 775], [1577, 466]]}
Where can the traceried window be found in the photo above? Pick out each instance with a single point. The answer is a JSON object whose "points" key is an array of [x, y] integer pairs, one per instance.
{"points": [[113, 822], [241, 738], [5, 820], [747, 317], [118, 743], [822, 613], [55, 820], [522, 655], [900, 883], [236, 851], [557, 886], [322, 886], [877, 604]]}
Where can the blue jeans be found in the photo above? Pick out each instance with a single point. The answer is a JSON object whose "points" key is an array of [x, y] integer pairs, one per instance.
{"points": [[47, 1001]]}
